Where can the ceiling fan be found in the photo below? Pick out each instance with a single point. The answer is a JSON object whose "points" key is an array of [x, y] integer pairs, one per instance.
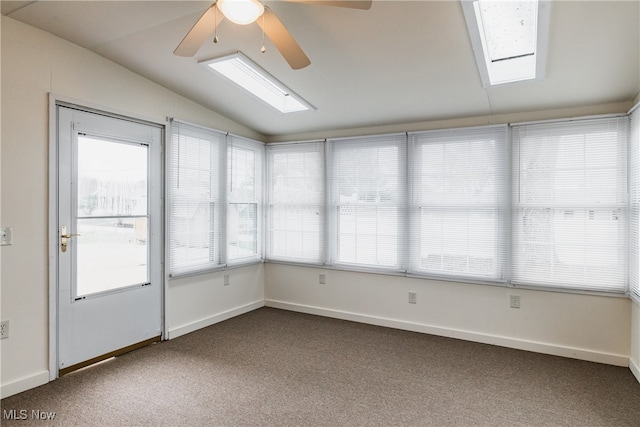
{"points": [[245, 12]]}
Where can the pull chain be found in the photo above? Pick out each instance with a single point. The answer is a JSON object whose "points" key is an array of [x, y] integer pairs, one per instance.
{"points": [[215, 30], [263, 49]]}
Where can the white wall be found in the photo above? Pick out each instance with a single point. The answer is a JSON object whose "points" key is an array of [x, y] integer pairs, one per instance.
{"points": [[634, 359], [199, 301], [595, 328], [34, 64]]}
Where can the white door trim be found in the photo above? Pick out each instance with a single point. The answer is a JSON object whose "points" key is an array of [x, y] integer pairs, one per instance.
{"points": [[54, 101]]}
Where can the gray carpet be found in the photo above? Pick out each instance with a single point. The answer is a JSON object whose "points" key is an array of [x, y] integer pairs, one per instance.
{"points": [[276, 368]]}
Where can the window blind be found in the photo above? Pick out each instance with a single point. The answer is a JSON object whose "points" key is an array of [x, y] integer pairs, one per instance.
{"points": [[570, 204], [634, 197], [244, 200], [367, 198], [459, 223], [296, 198], [196, 155]]}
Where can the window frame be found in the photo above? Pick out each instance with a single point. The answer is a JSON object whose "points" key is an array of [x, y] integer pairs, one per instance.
{"points": [[498, 208], [258, 149], [334, 148], [215, 187], [305, 147], [564, 132]]}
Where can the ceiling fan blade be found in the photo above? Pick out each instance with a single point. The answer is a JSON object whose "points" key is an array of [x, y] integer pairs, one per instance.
{"points": [[352, 4], [200, 31], [283, 40]]}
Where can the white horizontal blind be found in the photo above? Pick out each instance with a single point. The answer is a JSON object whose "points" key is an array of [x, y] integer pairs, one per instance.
{"points": [[459, 223], [244, 200], [296, 197], [196, 157], [368, 204], [634, 196], [570, 204]]}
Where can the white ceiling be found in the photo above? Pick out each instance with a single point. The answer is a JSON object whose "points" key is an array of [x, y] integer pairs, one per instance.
{"points": [[399, 62]]}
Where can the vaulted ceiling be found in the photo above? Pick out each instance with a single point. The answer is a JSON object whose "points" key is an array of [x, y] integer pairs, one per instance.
{"points": [[399, 62]]}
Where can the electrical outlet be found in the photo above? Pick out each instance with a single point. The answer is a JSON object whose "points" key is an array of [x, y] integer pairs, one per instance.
{"points": [[514, 301], [412, 298], [4, 329], [226, 280], [322, 279]]}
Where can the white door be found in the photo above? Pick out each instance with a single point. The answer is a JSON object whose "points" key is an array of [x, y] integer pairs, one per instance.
{"points": [[110, 236]]}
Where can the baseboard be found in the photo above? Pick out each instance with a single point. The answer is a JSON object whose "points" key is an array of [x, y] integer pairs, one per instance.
{"points": [[635, 369], [537, 347], [24, 384], [212, 320]]}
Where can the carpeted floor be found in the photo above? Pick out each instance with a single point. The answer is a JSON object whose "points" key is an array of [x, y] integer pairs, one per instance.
{"points": [[279, 368]]}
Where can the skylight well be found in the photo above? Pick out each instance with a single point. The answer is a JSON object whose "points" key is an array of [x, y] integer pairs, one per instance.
{"points": [[249, 76], [509, 38]]}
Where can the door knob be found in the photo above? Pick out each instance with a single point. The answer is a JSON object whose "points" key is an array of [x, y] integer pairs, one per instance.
{"points": [[63, 238]]}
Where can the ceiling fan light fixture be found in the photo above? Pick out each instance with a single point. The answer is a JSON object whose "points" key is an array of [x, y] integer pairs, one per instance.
{"points": [[242, 12]]}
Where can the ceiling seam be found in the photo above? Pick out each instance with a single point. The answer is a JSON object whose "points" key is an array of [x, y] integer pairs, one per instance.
{"points": [[21, 7], [490, 104]]}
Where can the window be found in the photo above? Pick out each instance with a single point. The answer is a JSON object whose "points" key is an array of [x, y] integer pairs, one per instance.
{"points": [[509, 38], [367, 199], [459, 202], [440, 203], [570, 204], [196, 157], [244, 206], [634, 195], [296, 202]]}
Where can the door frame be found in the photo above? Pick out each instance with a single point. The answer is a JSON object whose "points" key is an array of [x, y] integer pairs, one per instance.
{"points": [[56, 100]]}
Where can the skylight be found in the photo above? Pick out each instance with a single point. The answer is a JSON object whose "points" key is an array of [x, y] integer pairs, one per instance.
{"points": [[248, 75], [509, 38]]}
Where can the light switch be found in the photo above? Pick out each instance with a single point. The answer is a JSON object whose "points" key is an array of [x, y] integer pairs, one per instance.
{"points": [[5, 235]]}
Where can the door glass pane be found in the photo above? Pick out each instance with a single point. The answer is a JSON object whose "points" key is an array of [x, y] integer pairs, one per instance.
{"points": [[112, 178], [112, 220], [112, 253]]}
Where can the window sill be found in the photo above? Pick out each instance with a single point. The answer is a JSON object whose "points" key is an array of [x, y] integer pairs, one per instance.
{"points": [[214, 270]]}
